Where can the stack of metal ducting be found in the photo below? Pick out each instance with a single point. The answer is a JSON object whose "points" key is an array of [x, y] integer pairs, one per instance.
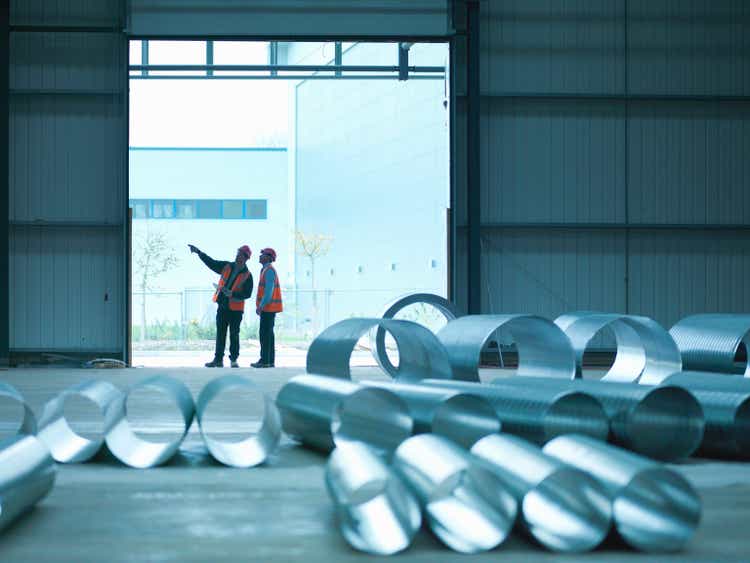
{"points": [[712, 342], [664, 422], [116, 430], [27, 474], [536, 413], [653, 507], [505, 474], [377, 335], [543, 348], [324, 412], [725, 400], [253, 447], [26, 422], [645, 351]]}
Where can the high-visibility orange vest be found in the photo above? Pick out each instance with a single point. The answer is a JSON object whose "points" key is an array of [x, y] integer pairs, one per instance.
{"points": [[234, 304], [274, 305]]}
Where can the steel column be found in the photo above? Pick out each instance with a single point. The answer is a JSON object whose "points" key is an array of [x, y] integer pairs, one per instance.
{"points": [[4, 185], [473, 182]]}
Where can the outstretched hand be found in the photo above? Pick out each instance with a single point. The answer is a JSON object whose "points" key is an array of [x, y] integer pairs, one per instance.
{"points": [[193, 249]]}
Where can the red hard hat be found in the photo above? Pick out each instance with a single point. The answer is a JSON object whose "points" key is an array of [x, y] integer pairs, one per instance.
{"points": [[269, 252], [245, 249]]}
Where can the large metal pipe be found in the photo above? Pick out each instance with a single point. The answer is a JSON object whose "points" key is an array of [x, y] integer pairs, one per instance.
{"points": [[543, 349], [250, 450], [537, 413], [562, 507], [726, 405], [324, 412], [711, 342], [654, 508], [133, 450], [421, 354], [376, 513], [27, 421], [65, 444], [467, 506], [461, 417], [377, 335], [27, 474], [664, 423], [645, 351]]}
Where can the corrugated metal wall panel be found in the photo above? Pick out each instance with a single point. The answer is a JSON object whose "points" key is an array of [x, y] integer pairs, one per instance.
{"points": [[66, 61], [67, 12], [68, 193], [289, 18], [549, 273], [689, 46], [65, 289], [552, 46], [674, 161], [554, 161], [675, 274], [67, 158], [689, 162]]}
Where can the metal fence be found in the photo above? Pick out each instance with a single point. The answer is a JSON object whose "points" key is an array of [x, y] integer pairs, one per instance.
{"points": [[190, 313]]}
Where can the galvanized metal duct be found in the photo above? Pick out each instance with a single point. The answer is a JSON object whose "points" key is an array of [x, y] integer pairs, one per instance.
{"points": [[726, 406], [467, 506], [133, 450], [27, 474], [665, 422], [543, 349], [376, 513], [27, 423], [250, 450], [377, 335], [710, 342], [325, 412], [461, 417], [65, 444], [654, 508], [421, 354], [645, 351], [537, 413], [563, 508]]}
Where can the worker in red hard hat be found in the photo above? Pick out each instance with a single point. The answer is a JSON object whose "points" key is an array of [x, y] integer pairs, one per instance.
{"points": [[267, 304], [235, 285]]}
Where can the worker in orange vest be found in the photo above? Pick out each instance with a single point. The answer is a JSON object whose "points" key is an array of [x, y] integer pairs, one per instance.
{"points": [[235, 285], [267, 304]]}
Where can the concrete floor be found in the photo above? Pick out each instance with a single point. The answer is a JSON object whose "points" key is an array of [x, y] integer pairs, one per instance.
{"points": [[194, 509]]}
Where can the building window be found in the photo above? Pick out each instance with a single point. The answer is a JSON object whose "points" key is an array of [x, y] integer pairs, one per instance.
{"points": [[162, 209], [232, 209], [209, 209], [185, 209], [256, 209], [236, 209], [140, 208]]}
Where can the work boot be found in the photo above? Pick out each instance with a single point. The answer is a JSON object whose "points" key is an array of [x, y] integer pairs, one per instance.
{"points": [[215, 364], [235, 364]]}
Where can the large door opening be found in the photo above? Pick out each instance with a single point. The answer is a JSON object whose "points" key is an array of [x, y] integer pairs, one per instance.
{"points": [[336, 154]]}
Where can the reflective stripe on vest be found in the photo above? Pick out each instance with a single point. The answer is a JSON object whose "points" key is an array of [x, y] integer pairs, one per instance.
{"points": [[274, 305], [234, 304]]}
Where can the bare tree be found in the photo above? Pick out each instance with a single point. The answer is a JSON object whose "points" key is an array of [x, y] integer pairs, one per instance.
{"points": [[313, 246], [153, 256]]}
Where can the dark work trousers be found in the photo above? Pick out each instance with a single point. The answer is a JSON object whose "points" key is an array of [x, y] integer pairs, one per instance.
{"points": [[232, 319], [266, 337]]}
